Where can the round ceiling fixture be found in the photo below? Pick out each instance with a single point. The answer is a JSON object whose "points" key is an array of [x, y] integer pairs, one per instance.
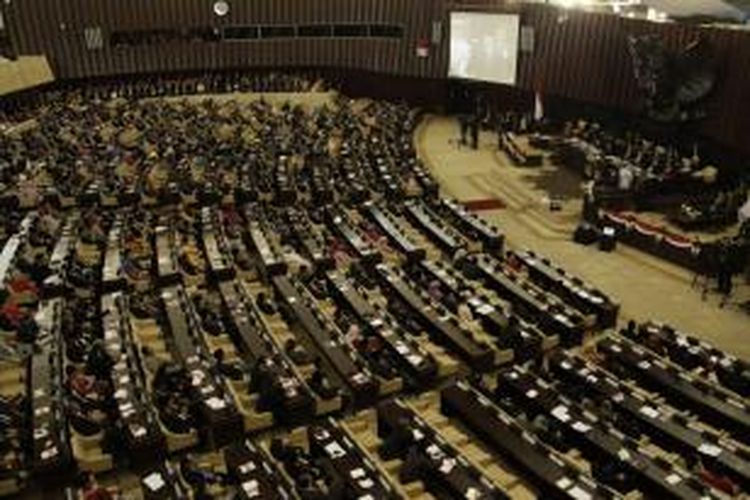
{"points": [[221, 8]]}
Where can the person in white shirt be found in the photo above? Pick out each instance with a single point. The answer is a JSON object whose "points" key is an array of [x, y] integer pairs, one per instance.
{"points": [[625, 178]]}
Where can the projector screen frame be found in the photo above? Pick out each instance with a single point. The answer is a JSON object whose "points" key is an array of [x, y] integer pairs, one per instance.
{"points": [[467, 11]]}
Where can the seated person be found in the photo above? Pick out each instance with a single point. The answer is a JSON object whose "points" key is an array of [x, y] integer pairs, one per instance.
{"points": [[400, 439], [199, 478], [78, 382], [92, 490], [85, 420], [265, 304], [297, 353], [144, 305], [98, 362], [320, 383], [229, 369], [173, 393]]}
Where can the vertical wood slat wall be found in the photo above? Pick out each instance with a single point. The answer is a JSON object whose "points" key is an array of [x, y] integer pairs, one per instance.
{"points": [[580, 56], [57, 30]]}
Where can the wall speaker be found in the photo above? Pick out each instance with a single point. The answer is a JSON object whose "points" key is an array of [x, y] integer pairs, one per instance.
{"points": [[437, 32], [527, 39]]}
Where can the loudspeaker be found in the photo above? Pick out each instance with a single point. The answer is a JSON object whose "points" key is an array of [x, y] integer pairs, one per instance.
{"points": [[527, 39], [586, 234], [437, 32], [607, 240]]}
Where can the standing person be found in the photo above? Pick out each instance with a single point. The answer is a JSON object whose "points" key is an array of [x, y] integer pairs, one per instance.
{"points": [[464, 126], [475, 132], [724, 270]]}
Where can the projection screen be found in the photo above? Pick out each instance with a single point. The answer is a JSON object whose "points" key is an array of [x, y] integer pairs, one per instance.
{"points": [[484, 46]]}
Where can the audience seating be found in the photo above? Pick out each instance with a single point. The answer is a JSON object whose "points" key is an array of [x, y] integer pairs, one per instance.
{"points": [[54, 284], [221, 269], [330, 444], [491, 237], [216, 408], [694, 355], [584, 297], [480, 356], [717, 407], [270, 256], [163, 482], [444, 236], [389, 226], [220, 265], [603, 446], [412, 357], [526, 341], [254, 472], [535, 306], [142, 435], [287, 395], [552, 476], [112, 278], [435, 462], [363, 386], [664, 425], [50, 449]]}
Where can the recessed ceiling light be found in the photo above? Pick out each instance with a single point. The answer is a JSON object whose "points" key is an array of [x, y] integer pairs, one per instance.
{"points": [[221, 8]]}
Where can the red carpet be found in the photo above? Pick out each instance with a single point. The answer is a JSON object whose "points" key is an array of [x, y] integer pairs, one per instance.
{"points": [[485, 204]]}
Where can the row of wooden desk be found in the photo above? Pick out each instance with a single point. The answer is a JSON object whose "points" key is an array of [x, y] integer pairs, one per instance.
{"points": [[255, 473], [164, 482], [444, 236], [330, 444], [142, 432], [297, 402], [552, 317], [8, 255], [490, 236], [444, 470], [363, 386], [220, 263], [364, 250], [663, 425], [313, 243], [395, 235], [692, 353], [418, 364], [222, 422], [549, 474], [529, 341], [271, 256], [598, 443], [583, 297], [54, 284], [112, 278], [167, 267], [477, 355], [716, 407], [51, 453]]}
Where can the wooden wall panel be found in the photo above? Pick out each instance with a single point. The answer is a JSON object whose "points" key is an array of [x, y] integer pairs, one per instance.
{"points": [[57, 30]]}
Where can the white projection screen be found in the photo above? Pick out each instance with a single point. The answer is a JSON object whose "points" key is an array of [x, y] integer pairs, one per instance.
{"points": [[484, 46]]}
